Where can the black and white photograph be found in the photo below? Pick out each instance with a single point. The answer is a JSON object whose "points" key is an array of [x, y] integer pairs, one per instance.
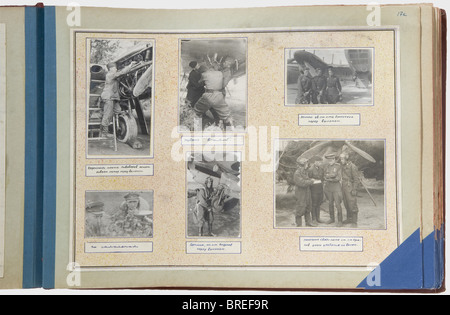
{"points": [[213, 85], [120, 97], [330, 184], [213, 194], [329, 76], [119, 214]]}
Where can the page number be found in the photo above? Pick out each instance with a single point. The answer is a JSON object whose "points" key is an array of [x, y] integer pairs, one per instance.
{"points": [[401, 13]]}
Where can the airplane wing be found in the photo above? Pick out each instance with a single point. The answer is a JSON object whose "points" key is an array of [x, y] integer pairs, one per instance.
{"points": [[222, 172], [304, 58], [307, 59], [359, 64]]}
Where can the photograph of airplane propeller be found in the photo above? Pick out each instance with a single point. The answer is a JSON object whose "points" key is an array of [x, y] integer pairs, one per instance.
{"points": [[213, 180], [227, 55], [121, 74], [367, 155], [352, 66]]}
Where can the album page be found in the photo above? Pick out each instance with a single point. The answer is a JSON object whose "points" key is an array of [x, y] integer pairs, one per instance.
{"points": [[2, 144], [206, 152], [12, 146]]}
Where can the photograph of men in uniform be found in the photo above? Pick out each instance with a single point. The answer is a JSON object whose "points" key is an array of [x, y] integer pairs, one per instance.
{"points": [[213, 194], [94, 226], [316, 179], [116, 214], [303, 193], [332, 189], [338, 76], [304, 89], [195, 88], [319, 88], [334, 88], [203, 211], [315, 172], [213, 97], [133, 216], [350, 184]]}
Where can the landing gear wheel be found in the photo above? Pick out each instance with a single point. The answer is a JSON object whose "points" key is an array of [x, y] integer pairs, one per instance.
{"points": [[127, 129]]}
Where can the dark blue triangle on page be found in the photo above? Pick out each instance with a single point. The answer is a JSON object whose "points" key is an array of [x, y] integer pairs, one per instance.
{"points": [[401, 270]]}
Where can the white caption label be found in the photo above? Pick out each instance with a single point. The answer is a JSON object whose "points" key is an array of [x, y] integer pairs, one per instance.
{"points": [[213, 247], [329, 119], [213, 140], [119, 247], [331, 244], [119, 170]]}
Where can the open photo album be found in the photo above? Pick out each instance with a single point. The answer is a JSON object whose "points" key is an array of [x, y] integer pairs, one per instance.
{"points": [[288, 148]]}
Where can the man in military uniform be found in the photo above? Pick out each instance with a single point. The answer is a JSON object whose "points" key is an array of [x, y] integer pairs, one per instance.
{"points": [[319, 86], [303, 193], [194, 88], [94, 226], [213, 98], [316, 173], [203, 212], [134, 203], [350, 182], [304, 86], [334, 88], [110, 96], [333, 189], [127, 221]]}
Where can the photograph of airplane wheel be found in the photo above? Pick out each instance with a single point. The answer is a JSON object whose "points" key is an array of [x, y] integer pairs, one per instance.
{"points": [[213, 194], [330, 184], [329, 76]]}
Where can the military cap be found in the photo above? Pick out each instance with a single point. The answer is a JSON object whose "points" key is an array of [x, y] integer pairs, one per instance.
{"points": [[193, 64], [94, 206], [330, 156], [301, 160], [132, 196]]}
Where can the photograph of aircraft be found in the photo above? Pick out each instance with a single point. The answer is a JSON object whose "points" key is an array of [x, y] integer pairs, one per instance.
{"points": [[213, 194], [309, 81], [213, 84], [120, 97], [368, 159]]}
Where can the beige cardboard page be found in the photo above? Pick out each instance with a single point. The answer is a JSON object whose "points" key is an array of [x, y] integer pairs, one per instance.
{"points": [[274, 125], [12, 145], [2, 143], [262, 234]]}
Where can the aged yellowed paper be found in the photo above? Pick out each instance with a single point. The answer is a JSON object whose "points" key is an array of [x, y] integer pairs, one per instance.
{"points": [[146, 156], [2, 143]]}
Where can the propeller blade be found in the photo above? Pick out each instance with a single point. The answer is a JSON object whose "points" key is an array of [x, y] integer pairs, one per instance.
{"points": [[317, 149]]}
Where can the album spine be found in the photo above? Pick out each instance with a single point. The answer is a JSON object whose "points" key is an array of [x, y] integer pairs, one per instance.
{"points": [[34, 140], [50, 150]]}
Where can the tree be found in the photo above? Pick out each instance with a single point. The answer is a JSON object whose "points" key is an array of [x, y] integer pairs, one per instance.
{"points": [[103, 50]]}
